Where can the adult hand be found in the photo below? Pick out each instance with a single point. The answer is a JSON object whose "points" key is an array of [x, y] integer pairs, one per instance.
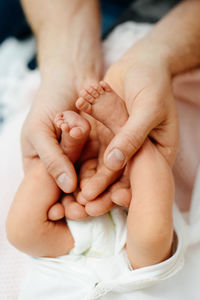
{"points": [[145, 85], [143, 80], [40, 140], [69, 56], [40, 137]]}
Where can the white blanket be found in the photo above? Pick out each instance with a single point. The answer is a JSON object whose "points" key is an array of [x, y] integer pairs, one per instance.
{"points": [[50, 279]]}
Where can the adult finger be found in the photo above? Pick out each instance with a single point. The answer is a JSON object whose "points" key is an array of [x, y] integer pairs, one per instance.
{"points": [[131, 136], [98, 183], [119, 193], [73, 210], [56, 212], [54, 159], [100, 205]]}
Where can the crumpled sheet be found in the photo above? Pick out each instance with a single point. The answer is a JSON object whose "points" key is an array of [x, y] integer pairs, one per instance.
{"points": [[18, 87]]}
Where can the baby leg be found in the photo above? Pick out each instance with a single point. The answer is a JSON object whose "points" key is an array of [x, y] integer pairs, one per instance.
{"points": [[149, 222], [28, 226], [150, 225]]}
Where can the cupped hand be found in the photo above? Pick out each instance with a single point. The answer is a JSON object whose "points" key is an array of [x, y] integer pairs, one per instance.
{"points": [[146, 88], [144, 82], [40, 137], [41, 140]]}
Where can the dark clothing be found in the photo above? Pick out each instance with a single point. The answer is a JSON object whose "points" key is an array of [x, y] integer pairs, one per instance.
{"points": [[144, 11], [114, 12], [111, 11], [12, 20]]}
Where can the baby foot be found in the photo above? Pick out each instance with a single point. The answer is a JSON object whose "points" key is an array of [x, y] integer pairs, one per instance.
{"points": [[102, 103], [75, 132]]}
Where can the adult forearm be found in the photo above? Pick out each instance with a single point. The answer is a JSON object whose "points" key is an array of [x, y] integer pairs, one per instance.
{"points": [[68, 38], [174, 40]]}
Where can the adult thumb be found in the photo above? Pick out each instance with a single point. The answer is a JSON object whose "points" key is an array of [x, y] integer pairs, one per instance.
{"points": [[56, 162], [129, 139]]}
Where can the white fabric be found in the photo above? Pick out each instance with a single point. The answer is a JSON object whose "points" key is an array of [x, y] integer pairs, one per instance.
{"points": [[76, 277], [99, 237], [14, 56], [14, 105], [98, 267]]}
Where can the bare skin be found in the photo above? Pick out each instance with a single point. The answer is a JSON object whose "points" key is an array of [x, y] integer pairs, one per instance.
{"points": [[149, 223], [28, 226], [66, 69], [75, 132], [143, 79], [69, 56], [151, 204], [98, 101]]}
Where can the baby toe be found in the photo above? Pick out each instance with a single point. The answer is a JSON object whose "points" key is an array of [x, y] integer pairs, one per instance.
{"points": [[88, 97], [93, 92], [99, 89], [64, 127], [105, 86], [83, 105]]}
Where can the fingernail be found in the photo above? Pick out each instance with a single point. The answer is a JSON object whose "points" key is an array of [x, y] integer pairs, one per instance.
{"points": [[65, 183], [115, 159]]}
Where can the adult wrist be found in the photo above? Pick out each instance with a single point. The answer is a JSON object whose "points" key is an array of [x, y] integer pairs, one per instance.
{"points": [[147, 52], [69, 77], [59, 65], [62, 55], [64, 83]]}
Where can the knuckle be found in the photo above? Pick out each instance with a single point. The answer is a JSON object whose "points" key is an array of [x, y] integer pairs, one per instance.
{"points": [[51, 165], [54, 163]]}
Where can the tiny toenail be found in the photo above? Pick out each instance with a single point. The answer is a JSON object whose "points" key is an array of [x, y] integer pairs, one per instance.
{"points": [[89, 97], [101, 91], [80, 100], [85, 92], [115, 159], [90, 90], [65, 183], [64, 127]]}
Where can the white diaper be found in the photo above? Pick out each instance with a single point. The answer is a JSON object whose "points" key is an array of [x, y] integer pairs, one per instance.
{"points": [[102, 236], [98, 265]]}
